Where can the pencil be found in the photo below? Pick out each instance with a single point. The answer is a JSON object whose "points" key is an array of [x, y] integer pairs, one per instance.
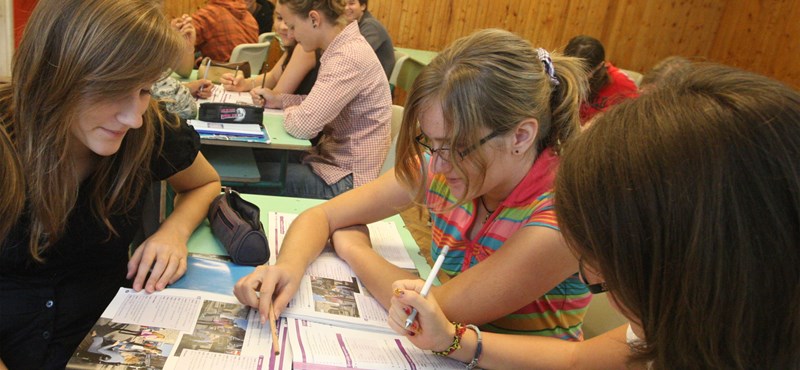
{"points": [[264, 80], [236, 72], [428, 282], [273, 322]]}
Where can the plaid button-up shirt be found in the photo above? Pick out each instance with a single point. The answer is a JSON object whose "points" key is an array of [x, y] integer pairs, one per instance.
{"points": [[351, 104]]}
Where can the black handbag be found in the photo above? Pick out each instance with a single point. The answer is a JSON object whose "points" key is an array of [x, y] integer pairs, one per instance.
{"points": [[237, 224]]}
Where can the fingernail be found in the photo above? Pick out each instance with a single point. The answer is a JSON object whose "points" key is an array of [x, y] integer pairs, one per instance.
{"points": [[407, 310], [399, 292], [411, 333]]}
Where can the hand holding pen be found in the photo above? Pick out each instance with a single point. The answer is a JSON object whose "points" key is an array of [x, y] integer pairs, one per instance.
{"points": [[428, 282]]}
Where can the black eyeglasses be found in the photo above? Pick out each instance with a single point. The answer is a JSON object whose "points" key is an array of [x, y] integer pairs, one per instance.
{"points": [[593, 288], [444, 152]]}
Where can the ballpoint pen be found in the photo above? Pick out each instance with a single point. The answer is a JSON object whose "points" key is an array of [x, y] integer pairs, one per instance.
{"points": [[205, 74], [428, 282]]}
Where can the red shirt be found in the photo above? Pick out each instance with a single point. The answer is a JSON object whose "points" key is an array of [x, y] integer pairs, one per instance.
{"points": [[618, 88], [221, 25]]}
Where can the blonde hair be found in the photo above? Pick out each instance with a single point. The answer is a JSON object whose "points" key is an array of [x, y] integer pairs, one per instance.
{"points": [[492, 79], [76, 53]]}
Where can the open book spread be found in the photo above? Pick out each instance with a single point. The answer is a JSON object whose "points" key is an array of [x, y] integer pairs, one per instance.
{"points": [[179, 329], [197, 324], [330, 292], [321, 346]]}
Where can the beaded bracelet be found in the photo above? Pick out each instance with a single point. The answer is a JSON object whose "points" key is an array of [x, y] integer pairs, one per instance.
{"points": [[478, 347], [460, 329]]}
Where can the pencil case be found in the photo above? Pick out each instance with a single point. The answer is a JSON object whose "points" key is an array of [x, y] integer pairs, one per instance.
{"points": [[230, 113], [237, 224]]}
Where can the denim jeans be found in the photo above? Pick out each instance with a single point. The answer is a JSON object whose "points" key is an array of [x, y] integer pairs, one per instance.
{"points": [[301, 181]]}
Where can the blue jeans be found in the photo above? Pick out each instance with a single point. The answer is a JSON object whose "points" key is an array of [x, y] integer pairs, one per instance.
{"points": [[301, 181]]}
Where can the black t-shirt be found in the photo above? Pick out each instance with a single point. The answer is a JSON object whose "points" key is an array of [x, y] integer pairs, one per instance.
{"points": [[46, 309]]}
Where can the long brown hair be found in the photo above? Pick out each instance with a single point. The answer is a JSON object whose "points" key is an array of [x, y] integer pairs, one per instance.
{"points": [[75, 53], [494, 79], [687, 200]]}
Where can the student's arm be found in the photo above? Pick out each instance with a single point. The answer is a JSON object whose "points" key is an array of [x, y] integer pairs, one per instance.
{"points": [[186, 28], [607, 351], [3, 365], [165, 251], [296, 70], [308, 234], [231, 83], [529, 264]]}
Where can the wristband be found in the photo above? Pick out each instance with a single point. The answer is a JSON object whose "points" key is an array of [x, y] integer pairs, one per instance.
{"points": [[460, 329], [478, 347]]}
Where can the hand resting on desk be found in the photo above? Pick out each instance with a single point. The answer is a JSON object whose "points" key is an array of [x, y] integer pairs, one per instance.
{"points": [[163, 256]]}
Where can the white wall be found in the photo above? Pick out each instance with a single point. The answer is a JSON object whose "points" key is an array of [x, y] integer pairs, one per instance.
{"points": [[6, 36]]}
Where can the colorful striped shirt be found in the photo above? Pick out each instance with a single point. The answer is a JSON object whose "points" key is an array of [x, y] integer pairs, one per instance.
{"points": [[559, 313]]}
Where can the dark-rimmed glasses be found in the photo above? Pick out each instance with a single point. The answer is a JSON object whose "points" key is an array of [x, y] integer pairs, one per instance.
{"points": [[593, 288], [444, 153]]}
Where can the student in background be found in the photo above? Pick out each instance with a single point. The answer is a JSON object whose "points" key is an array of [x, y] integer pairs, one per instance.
{"points": [[262, 12], [373, 31], [479, 147], [607, 84], [694, 235], [221, 25], [349, 104], [179, 98], [81, 141], [670, 67], [295, 72]]}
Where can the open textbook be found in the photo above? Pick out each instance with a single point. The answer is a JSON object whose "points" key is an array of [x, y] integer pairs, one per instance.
{"points": [[179, 329], [330, 292], [318, 346]]}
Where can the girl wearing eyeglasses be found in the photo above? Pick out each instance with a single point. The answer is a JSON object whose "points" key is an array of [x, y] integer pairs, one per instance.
{"points": [[479, 146], [685, 206]]}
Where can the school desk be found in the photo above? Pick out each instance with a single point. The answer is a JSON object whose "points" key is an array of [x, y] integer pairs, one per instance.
{"points": [[234, 160], [203, 241]]}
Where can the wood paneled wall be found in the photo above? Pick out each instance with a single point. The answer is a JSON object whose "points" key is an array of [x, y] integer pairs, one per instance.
{"points": [[760, 36]]}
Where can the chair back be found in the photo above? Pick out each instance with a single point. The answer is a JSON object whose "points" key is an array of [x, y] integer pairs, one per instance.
{"points": [[397, 121], [266, 37], [399, 59], [635, 76], [255, 54], [601, 317]]}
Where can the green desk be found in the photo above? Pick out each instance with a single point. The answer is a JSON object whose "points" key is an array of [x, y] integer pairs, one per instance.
{"points": [[421, 56], [234, 160], [203, 241]]}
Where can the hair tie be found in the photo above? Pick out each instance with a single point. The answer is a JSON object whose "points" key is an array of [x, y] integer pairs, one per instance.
{"points": [[544, 56]]}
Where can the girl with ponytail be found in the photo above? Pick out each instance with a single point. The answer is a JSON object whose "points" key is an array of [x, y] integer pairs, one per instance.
{"points": [[479, 145]]}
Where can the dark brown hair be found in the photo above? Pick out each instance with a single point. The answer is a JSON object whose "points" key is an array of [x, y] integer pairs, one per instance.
{"points": [[687, 200]]}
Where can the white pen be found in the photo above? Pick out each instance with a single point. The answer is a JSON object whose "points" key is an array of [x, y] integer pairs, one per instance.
{"points": [[205, 74], [428, 282]]}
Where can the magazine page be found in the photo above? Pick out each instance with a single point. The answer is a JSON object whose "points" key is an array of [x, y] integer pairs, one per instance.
{"points": [[319, 346], [179, 329]]}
